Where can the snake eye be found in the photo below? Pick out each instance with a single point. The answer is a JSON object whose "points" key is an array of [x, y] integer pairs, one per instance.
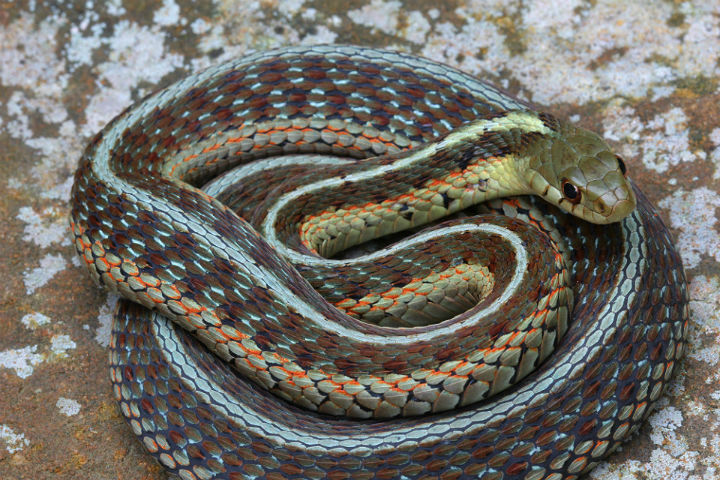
{"points": [[571, 192], [621, 164]]}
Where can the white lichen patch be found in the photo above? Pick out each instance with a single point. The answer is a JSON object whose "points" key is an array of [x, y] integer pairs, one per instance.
{"points": [[50, 265], [705, 304], [715, 154], [38, 78], [697, 409], [664, 465], [168, 14], [60, 344], [660, 143], [14, 442], [311, 14], [568, 52], [76, 261], [676, 387], [704, 340], [102, 334], [68, 406], [115, 7], [21, 360], [137, 55], [661, 465], [605, 471], [200, 26], [701, 38], [693, 214], [666, 141], [378, 14], [29, 60], [21, 105], [478, 43], [83, 43], [622, 125], [321, 35], [252, 28], [45, 228], [709, 356], [291, 7], [32, 66], [673, 459], [665, 423], [35, 320], [416, 28], [60, 191]]}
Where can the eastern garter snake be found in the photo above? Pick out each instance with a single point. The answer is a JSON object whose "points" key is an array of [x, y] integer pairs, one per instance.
{"points": [[334, 146]]}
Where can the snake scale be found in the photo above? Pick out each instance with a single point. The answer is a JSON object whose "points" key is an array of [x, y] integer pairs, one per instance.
{"points": [[524, 339]]}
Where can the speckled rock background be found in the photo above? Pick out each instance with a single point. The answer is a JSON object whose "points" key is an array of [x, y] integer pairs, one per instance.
{"points": [[644, 74]]}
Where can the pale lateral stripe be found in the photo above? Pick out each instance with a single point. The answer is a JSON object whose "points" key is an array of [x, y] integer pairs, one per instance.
{"points": [[237, 175]]}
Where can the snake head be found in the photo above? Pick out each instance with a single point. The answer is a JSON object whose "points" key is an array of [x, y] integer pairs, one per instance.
{"points": [[576, 170]]}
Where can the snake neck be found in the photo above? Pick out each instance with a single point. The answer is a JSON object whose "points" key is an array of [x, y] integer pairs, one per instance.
{"points": [[479, 161]]}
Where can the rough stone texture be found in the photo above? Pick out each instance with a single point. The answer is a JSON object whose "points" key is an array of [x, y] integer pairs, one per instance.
{"points": [[644, 74]]}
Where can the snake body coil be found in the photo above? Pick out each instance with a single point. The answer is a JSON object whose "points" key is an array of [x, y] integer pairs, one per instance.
{"points": [[526, 347]]}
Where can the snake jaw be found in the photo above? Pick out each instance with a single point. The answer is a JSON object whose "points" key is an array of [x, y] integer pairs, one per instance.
{"points": [[608, 197], [603, 205], [614, 205], [575, 170]]}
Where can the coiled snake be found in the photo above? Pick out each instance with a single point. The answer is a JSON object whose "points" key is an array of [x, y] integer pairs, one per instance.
{"points": [[439, 345]]}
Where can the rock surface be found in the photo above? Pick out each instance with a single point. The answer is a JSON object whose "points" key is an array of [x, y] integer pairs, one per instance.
{"points": [[643, 74]]}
